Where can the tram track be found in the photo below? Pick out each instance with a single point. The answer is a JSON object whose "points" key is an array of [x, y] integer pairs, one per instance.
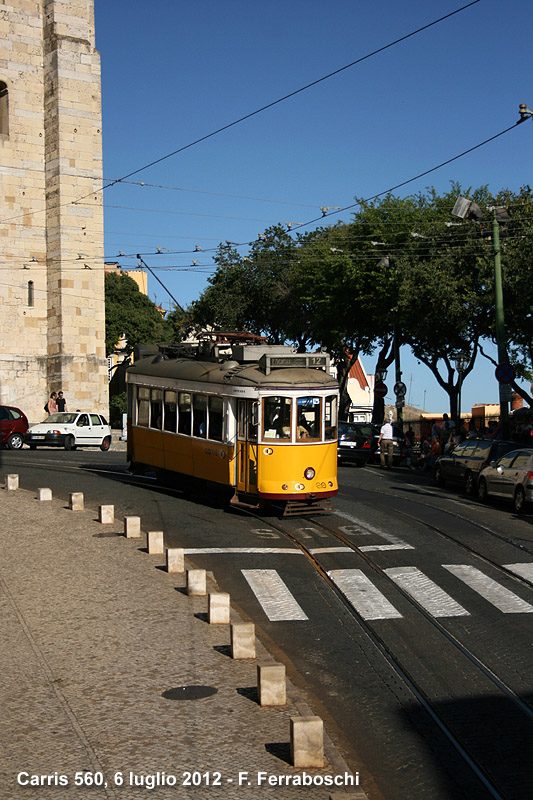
{"points": [[471, 551], [401, 670]]}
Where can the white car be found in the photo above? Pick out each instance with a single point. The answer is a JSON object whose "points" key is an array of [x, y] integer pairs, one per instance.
{"points": [[70, 430]]}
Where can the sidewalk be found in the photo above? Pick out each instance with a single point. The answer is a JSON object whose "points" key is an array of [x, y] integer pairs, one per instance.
{"points": [[94, 632]]}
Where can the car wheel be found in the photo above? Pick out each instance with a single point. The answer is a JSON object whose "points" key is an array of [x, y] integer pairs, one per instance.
{"points": [[70, 443], [519, 500], [15, 441], [106, 444], [438, 476], [482, 491], [470, 484]]}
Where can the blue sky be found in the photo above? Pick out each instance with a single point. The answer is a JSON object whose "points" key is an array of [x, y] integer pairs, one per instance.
{"points": [[173, 72]]}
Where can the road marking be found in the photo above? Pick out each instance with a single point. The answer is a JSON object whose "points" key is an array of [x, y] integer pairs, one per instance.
{"points": [[236, 550], [500, 597], [363, 595], [524, 570], [371, 548], [395, 543], [319, 550], [265, 533], [434, 599], [273, 595]]}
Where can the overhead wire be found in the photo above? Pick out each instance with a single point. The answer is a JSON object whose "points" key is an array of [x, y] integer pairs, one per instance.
{"points": [[295, 92], [263, 108]]}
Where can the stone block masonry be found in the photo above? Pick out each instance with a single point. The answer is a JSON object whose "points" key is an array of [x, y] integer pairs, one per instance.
{"points": [[52, 331]]}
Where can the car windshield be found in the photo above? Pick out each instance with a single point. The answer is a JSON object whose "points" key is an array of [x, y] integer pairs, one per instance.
{"points": [[347, 429], [63, 418]]}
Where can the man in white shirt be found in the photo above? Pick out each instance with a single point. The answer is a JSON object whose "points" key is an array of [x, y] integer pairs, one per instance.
{"points": [[386, 444]]}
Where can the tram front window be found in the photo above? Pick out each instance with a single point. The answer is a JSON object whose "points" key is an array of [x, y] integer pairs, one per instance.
{"points": [[309, 418], [331, 417], [277, 417]]}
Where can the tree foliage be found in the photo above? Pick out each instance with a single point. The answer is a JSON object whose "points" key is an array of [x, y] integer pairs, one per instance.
{"points": [[130, 314], [402, 266]]}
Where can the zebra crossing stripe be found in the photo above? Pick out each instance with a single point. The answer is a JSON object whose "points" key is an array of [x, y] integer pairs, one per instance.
{"points": [[367, 600], [500, 597], [523, 570], [430, 596], [273, 595]]}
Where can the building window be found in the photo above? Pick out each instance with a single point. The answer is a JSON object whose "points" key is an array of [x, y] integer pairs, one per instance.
{"points": [[4, 109], [30, 294]]}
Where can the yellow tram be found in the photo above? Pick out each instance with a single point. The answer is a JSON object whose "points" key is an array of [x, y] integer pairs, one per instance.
{"points": [[255, 419]]}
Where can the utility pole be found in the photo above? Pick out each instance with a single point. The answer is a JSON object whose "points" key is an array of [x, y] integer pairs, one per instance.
{"points": [[500, 324]]}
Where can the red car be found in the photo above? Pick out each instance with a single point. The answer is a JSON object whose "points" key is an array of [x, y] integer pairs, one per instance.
{"points": [[13, 426]]}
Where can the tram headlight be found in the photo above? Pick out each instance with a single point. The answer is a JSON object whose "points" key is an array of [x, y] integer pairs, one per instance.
{"points": [[309, 473], [299, 487]]}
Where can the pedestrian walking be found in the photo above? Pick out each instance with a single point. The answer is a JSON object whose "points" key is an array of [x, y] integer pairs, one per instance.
{"points": [[61, 402], [386, 445]]}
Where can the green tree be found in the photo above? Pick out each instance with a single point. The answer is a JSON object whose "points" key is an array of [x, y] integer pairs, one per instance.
{"points": [[130, 313], [259, 292]]}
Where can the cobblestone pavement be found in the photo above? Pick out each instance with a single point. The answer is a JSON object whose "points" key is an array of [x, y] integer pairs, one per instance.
{"points": [[93, 632]]}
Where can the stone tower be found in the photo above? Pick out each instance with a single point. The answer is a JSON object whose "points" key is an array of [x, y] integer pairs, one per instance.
{"points": [[52, 313]]}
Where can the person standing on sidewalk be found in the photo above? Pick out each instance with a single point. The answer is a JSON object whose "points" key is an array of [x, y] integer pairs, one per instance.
{"points": [[386, 445], [51, 404], [61, 402]]}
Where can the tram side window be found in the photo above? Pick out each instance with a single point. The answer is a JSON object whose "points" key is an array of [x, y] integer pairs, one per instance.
{"points": [[143, 407], [309, 418], [170, 415], [199, 406], [215, 417], [184, 415], [331, 417], [277, 417], [156, 409]]}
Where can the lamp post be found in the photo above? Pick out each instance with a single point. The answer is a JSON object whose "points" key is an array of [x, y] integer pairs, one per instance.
{"points": [[386, 262], [460, 366], [467, 209]]}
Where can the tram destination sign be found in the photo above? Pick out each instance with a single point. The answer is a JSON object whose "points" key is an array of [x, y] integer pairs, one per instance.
{"points": [[315, 361]]}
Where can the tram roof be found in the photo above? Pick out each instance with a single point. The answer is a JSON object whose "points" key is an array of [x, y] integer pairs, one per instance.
{"points": [[231, 373]]}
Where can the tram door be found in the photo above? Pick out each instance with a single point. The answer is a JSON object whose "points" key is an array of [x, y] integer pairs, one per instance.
{"points": [[247, 447]]}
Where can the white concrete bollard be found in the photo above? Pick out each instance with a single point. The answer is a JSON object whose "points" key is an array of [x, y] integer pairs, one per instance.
{"points": [[12, 482], [132, 527], [106, 514], [155, 542], [271, 685], [243, 640], [307, 742], [175, 559], [44, 494], [76, 501], [196, 582], [218, 609]]}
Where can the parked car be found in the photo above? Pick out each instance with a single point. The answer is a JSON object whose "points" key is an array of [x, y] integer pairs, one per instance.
{"points": [[354, 445], [465, 462], [70, 430], [13, 426], [511, 478]]}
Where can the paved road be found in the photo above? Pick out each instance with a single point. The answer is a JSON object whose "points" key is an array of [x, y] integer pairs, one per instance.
{"points": [[466, 617]]}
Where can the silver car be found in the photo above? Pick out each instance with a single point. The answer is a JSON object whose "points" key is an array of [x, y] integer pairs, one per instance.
{"points": [[511, 478]]}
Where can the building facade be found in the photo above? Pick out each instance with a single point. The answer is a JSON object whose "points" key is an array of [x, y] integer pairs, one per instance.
{"points": [[52, 332]]}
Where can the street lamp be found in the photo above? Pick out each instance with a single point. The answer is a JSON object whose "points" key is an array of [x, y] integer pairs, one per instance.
{"points": [[460, 365], [386, 262], [467, 209]]}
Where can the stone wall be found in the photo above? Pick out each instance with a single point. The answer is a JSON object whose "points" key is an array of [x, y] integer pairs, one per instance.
{"points": [[51, 237]]}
